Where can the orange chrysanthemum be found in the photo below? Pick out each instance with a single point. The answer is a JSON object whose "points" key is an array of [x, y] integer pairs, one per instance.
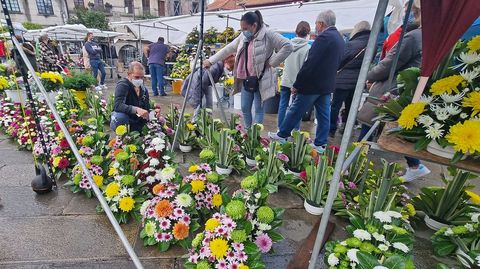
{"points": [[111, 142], [134, 163], [314, 153], [115, 152], [163, 209], [158, 188], [79, 140], [180, 231]]}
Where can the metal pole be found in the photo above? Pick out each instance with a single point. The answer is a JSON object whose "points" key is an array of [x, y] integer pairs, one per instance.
{"points": [[200, 47], [332, 193], [393, 68], [222, 112], [180, 121]]}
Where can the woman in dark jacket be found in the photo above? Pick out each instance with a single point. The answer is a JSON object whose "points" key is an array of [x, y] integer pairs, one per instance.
{"points": [[348, 72]]}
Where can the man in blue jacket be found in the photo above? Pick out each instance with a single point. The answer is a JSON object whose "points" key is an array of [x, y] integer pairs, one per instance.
{"points": [[315, 81], [94, 55]]}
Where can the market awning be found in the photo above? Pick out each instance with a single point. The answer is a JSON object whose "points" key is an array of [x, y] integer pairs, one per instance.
{"points": [[70, 32]]}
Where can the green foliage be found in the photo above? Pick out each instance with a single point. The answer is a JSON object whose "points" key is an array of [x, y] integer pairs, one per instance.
{"points": [[79, 81], [90, 18], [32, 26]]}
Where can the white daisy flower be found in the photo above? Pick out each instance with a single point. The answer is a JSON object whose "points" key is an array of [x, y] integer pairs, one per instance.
{"points": [[167, 173], [380, 267], [401, 246], [352, 255], [157, 141], [383, 247], [362, 234], [264, 227], [468, 58], [123, 192], [382, 217], [116, 164], [113, 208], [333, 260]]}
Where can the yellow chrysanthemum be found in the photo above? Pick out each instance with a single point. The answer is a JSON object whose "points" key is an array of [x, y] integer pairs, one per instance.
{"points": [[474, 44], [211, 224], [243, 266], [132, 148], [121, 130], [219, 248], [409, 114], [113, 171], [98, 180], [474, 198], [193, 168], [217, 200], [126, 204], [56, 161], [197, 185], [305, 134], [465, 136], [112, 189], [473, 101], [446, 85], [190, 127]]}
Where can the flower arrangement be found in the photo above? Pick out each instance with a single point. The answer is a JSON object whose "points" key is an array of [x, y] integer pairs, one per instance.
{"points": [[251, 143], [296, 152], [385, 241], [210, 36], [4, 85], [52, 81], [461, 242], [181, 68], [271, 162], [167, 219], [227, 36], [186, 132], [96, 104], [227, 152], [79, 81], [221, 245]]}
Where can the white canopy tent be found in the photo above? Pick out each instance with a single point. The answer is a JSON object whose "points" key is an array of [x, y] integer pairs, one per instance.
{"points": [[283, 18], [70, 32]]}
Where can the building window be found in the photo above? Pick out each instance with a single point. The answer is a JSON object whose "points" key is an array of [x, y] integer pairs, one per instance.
{"points": [[146, 7], [12, 6], [45, 7], [98, 4], [161, 8], [194, 7], [176, 8], [129, 6], [79, 3]]}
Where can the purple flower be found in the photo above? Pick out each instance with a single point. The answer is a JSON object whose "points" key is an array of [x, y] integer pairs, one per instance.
{"points": [[264, 243], [341, 186], [236, 148], [169, 131], [352, 185], [283, 157]]}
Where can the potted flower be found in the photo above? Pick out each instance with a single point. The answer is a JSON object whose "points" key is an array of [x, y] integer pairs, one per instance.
{"points": [[447, 205], [13, 88], [186, 135], [78, 83], [52, 82], [225, 153], [270, 163], [251, 144], [296, 152]]}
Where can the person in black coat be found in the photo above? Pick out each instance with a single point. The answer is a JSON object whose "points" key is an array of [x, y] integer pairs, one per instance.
{"points": [[348, 72], [315, 81], [132, 103]]}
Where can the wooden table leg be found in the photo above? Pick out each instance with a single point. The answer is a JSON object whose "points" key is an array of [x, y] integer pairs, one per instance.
{"points": [[301, 258]]}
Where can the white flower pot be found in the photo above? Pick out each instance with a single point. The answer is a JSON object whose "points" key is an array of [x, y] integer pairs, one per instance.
{"points": [[237, 101], [447, 152], [185, 148], [17, 96], [251, 162], [223, 171], [51, 96], [312, 209], [433, 224]]}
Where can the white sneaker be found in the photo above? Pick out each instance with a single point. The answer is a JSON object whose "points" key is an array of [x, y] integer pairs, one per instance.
{"points": [[320, 149], [104, 87], [98, 88], [412, 174], [274, 136]]}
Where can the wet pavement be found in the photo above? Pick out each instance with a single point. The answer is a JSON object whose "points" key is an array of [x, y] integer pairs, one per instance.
{"points": [[63, 230]]}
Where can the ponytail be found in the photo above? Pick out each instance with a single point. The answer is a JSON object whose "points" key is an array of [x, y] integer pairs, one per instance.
{"points": [[253, 17]]}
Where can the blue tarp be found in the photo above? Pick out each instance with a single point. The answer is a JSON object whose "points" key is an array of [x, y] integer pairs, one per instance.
{"points": [[472, 31]]}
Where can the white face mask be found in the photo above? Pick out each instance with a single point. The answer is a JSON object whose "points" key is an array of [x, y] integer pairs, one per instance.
{"points": [[137, 82]]}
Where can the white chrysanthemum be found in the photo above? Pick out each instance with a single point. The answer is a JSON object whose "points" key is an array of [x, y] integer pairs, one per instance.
{"points": [[453, 109], [184, 200], [362, 234], [113, 208], [343, 243], [378, 237], [154, 162], [387, 227], [448, 232], [442, 114], [333, 260], [116, 164], [469, 76], [463, 115], [380, 267], [383, 247], [352, 255], [401, 246], [264, 227], [469, 58], [123, 192], [166, 157], [168, 173], [478, 260], [425, 120], [394, 214], [157, 141], [131, 191], [475, 217], [469, 227], [435, 131], [447, 98], [143, 208], [382, 216], [426, 99], [150, 179]]}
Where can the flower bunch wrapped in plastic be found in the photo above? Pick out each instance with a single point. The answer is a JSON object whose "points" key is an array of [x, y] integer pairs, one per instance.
{"points": [[222, 245], [167, 217], [204, 185], [52, 81], [385, 240]]}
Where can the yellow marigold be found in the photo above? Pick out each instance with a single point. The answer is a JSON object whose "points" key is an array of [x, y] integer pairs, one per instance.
{"points": [[219, 248], [132, 148], [121, 130], [446, 85], [473, 101], [217, 200], [409, 114], [465, 137], [197, 185], [474, 198], [126, 204], [113, 171], [474, 44], [193, 168], [211, 224], [98, 180], [112, 189]]}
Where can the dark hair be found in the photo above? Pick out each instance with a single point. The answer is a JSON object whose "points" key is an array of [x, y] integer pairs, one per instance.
{"points": [[161, 39], [303, 29], [253, 17]]}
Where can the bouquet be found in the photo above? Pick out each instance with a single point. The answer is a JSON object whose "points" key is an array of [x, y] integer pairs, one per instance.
{"points": [[52, 81]]}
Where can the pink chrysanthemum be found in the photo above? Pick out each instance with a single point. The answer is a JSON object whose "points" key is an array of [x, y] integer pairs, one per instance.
{"points": [[264, 243]]}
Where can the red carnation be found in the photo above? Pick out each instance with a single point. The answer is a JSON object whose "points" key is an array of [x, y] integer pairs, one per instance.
{"points": [[64, 144], [63, 163], [154, 154], [303, 175]]}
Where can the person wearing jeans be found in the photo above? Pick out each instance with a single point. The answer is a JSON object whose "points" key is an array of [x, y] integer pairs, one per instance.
{"points": [[156, 54], [315, 82], [98, 65], [94, 54], [250, 99], [293, 63]]}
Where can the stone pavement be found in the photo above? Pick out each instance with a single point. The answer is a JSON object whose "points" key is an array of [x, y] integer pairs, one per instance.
{"points": [[63, 230]]}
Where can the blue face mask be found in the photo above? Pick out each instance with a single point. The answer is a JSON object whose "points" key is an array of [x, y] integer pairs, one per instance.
{"points": [[248, 35]]}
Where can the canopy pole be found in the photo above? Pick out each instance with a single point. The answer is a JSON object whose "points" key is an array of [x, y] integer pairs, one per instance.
{"points": [[332, 193], [111, 57]]}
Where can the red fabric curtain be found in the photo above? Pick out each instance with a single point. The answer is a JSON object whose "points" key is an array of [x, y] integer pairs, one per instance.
{"points": [[443, 23]]}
